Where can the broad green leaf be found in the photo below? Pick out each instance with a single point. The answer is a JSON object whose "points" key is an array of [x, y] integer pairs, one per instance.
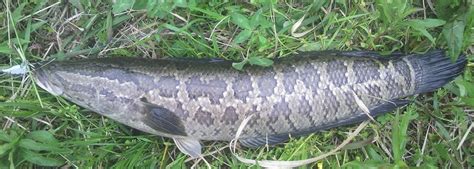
{"points": [[313, 46], [19, 113], [442, 151], [393, 11], [262, 40], [33, 145], [239, 65], [260, 61], [429, 22], [242, 36], [373, 154], [264, 3], [173, 28], [5, 49], [263, 43], [27, 33], [181, 3], [257, 19], [468, 86], [214, 15], [90, 22], [453, 32], [22, 105], [4, 148], [39, 159], [77, 4], [446, 8], [151, 7], [5, 137], [140, 4], [120, 19], [42, 136], [422, 25], [16, 15], [161, 9], [399, 133], [367, 164], [122, 5], [37, 25], [240, 20], [108, 26], [468, 101]]}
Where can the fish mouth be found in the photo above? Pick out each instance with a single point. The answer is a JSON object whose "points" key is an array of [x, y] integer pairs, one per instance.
{"points": [[43, 80]]}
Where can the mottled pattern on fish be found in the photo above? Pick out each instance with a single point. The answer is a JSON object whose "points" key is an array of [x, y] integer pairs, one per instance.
{"points": [[207, 100]]}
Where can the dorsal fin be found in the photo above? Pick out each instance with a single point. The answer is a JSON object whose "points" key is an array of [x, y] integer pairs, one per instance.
{"points": [[162, 119], [362, 53], [197, 60]]}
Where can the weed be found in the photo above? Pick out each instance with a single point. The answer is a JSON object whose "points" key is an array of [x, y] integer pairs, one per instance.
{"points": [[41, 130]]}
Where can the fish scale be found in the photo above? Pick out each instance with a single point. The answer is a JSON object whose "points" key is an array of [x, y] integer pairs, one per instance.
{"points": [[207, 100]]}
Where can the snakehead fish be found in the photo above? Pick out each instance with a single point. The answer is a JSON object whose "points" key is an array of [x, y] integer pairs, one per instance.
{"points": [[193, 100]]}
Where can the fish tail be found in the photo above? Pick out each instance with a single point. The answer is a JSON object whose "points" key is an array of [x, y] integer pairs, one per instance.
{"points": [[434, 69]]}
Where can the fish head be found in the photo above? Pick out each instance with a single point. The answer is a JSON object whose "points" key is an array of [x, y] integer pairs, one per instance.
{"points": [[47, 81]]}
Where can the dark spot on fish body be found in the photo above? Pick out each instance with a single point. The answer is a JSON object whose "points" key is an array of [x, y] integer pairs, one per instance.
{"points": [[85, 90], [167, 86], [216, 131], [142, 81], [289, 79], [348, 102], [330, 103], [286, 112], [242, 85], [337, 72], [180, 111], [266, 83], [366, 70], [304, 107], [204, 117], [181, 66], [375, 91], [230, 115], [403, 69], [108, 95], [218, 88], [311, 76], [214, 89], [280, 109], [110, 74], [394, 88], [254, 121]]}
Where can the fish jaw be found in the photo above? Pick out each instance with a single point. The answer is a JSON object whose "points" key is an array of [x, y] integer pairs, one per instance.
{"points": [[43, 80]]}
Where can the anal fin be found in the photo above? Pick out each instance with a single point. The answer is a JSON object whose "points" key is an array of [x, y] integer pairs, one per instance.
{"points": [[255, 142], [188, 146], [386, 107], [275, 139]]}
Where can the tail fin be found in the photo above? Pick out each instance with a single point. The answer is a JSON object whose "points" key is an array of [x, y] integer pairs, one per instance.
{"points": [[434, 69]]}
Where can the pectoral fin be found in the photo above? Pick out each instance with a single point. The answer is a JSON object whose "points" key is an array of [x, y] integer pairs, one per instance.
{"points": [[188, 146], [162, 119]]}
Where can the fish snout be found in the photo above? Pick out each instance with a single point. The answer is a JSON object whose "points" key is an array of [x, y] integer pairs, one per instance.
{"points": [[44, 79]]}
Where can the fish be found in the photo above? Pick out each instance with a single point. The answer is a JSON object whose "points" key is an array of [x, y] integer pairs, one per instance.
{"points": [[191, 100]]}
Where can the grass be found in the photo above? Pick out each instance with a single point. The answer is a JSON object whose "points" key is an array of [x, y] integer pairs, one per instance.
{"points": [[39, 129]]}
